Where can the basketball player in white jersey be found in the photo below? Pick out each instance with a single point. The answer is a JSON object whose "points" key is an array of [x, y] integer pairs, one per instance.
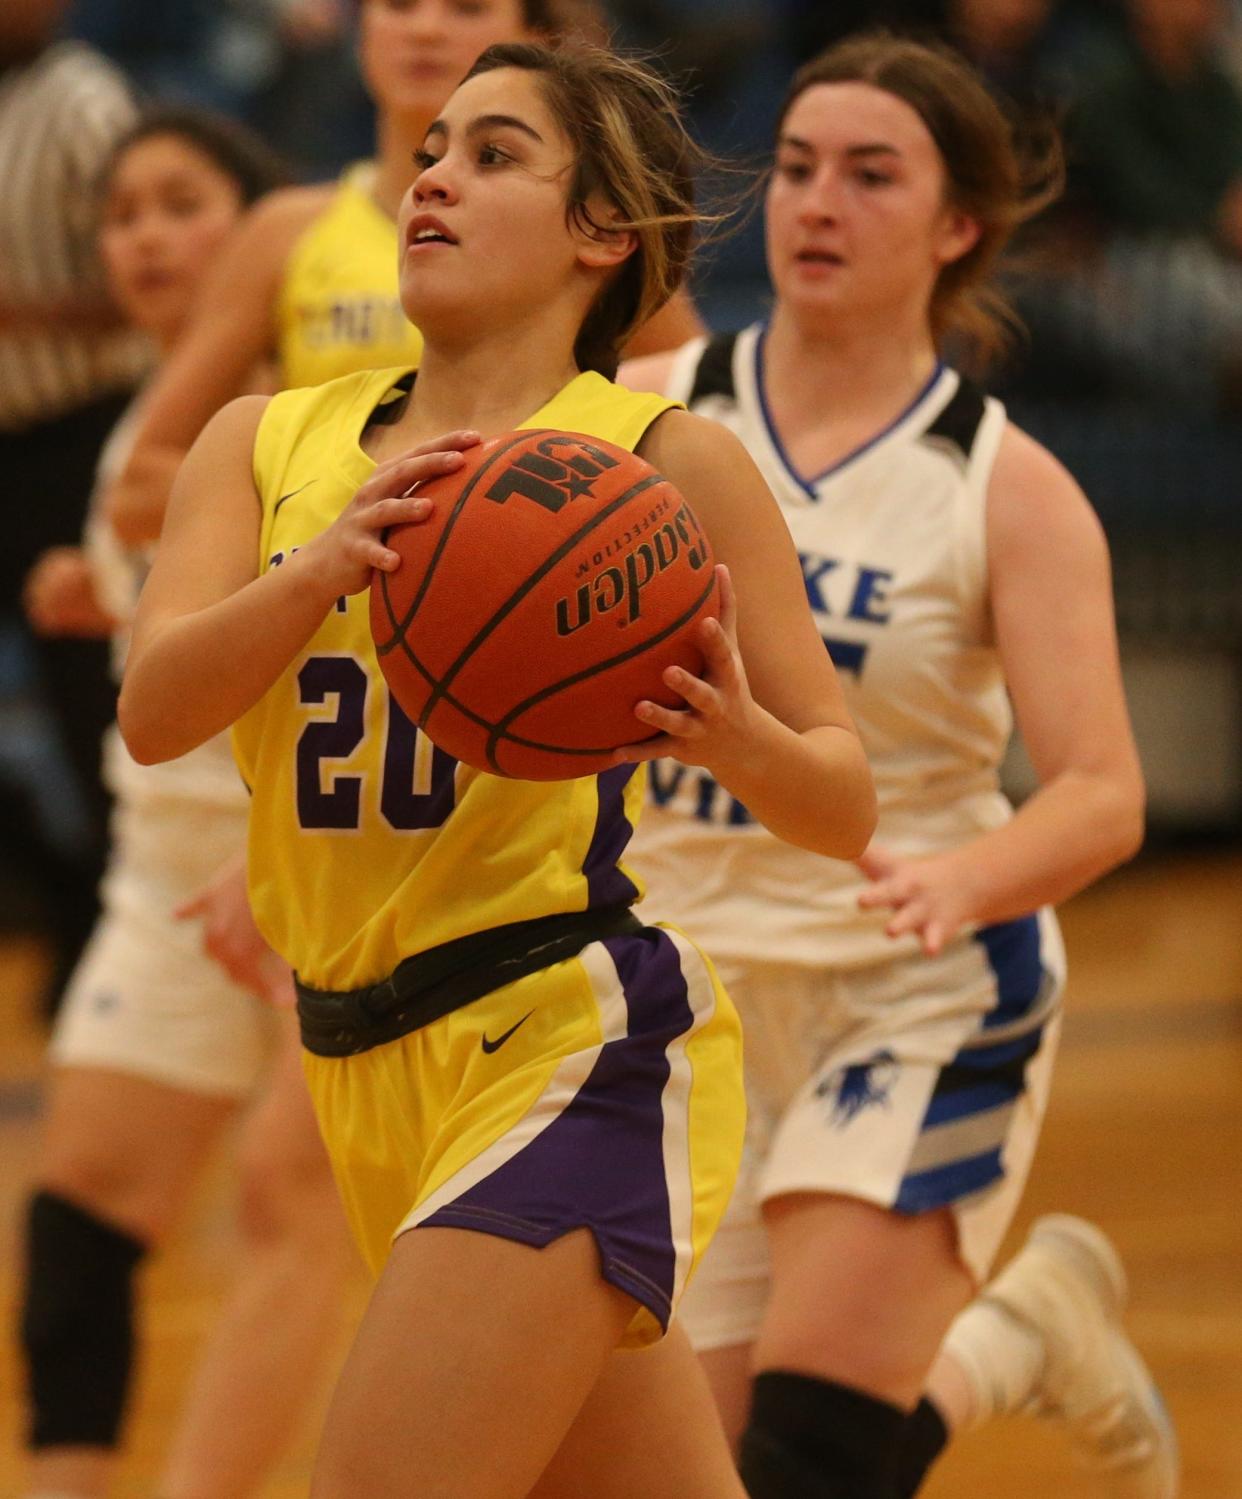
{"points": [[901, 1015]]}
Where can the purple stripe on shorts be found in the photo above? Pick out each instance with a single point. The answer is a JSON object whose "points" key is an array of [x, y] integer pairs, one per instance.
{"points": [[600, 1163], [606, 885]]}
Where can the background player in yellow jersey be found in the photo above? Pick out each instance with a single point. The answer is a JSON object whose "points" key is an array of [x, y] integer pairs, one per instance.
{"points": [[154, 1050], [564, 1182], [311, 281]]}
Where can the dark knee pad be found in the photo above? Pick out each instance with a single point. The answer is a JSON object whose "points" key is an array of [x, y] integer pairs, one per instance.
{"points": [[923, 1438], [809, 1438], [76, 1323]]}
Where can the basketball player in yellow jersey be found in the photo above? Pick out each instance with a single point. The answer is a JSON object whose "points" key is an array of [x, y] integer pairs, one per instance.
{"points": [[310, 279], [533, 1103]]}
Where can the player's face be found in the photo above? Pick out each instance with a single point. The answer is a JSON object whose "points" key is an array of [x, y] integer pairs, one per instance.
{"points": [[857, 223], [167, 210], [416, 52], [483, 233]]}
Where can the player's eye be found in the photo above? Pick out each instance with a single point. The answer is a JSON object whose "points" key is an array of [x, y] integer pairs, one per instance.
{"points": [[423, 159]]}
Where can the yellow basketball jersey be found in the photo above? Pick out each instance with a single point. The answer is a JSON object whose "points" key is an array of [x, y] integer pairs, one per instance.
{"points": [[338, 309], [367, 843]]}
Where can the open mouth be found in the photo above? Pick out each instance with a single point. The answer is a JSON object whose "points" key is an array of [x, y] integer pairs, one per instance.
{"points": [[426, 230]]}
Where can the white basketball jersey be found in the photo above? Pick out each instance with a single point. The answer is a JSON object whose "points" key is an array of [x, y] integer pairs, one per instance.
{"points": [[208, 774], [893, 552]]}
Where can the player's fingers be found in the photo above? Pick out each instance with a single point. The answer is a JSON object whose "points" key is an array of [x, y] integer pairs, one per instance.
{"points": [[728, 601], [397, 510], [459, 440], [913, 916], [720, 655], [400, 476], [934, 935], [876, 862], [681, 725], [881, 893], [701, 695], [655, 748], [374, 554]]}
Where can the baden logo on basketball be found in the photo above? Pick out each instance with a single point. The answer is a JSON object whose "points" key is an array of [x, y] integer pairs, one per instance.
{"points": [[498, 634], [623, 581]]}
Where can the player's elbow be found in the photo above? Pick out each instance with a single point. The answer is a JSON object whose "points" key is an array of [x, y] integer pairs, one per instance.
{"points": [[858, 827], [143, 727], [1126, 818]]}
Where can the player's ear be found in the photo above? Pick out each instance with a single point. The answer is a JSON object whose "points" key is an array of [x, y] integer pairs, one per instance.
{"points": [[958, 234], [599, 245]]}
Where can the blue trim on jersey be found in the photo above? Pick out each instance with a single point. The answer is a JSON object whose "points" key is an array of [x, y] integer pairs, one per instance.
{"points": [[924, 1191], [1013, 954], [808, 485]]}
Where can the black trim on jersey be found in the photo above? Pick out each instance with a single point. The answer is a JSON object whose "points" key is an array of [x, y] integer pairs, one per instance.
{"points": [[714, 374], [959, 422]]}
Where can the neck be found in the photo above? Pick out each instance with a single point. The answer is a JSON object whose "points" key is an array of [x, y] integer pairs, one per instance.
{"points": [[488, 384], [397, 138], [841, 373]]}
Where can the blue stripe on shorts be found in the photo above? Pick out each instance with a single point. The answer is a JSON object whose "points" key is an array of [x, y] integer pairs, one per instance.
{"points": [[960, 1144]]}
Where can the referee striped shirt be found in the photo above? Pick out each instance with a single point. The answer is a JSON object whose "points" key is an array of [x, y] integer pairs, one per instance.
{"points": [[59, 118]]}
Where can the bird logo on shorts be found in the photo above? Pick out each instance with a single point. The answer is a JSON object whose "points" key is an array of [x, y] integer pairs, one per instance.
{"points": [[859, 1086]]}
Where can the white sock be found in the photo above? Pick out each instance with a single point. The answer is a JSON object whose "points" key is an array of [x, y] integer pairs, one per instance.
{"points": [[1000, 1357]]}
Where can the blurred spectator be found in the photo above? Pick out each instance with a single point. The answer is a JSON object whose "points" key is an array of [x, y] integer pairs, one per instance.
{"points": [[1151, 296], [271, 63], [65, 371]]}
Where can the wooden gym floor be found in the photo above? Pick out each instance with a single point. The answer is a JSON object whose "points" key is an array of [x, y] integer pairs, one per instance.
{"points": [[1144, 1135]]}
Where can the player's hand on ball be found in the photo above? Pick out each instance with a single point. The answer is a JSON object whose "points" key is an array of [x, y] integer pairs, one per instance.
{"points": [[719, 711], [927, 896], [345, 555]]}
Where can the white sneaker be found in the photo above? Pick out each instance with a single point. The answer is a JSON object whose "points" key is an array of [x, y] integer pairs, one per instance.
{"points": [[1067, 1286]]}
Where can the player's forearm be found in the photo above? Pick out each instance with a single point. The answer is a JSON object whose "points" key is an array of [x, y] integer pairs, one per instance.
{"points": [[1068, 834], [812, 789], [191, 676]]}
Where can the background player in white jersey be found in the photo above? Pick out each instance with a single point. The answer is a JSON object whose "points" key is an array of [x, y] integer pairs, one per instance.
{"points": [[155, 1049], [901, 1015]]}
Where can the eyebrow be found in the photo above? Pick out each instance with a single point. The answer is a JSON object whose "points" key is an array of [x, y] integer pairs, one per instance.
{"points": [[868, 148], [487, 122]]}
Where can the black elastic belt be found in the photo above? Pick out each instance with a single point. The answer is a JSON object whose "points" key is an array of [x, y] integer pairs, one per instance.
{"points": [[341, 1023]]}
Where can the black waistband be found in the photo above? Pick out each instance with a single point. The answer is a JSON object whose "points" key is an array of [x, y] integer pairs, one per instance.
{"points": [[341, 1023]]}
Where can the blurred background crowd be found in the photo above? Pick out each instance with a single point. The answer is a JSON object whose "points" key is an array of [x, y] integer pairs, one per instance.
{"points": [[1130, 289]]}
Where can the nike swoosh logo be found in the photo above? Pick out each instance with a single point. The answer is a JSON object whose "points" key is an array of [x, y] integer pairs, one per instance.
{"points": [[291, 494], [491, 1046]]}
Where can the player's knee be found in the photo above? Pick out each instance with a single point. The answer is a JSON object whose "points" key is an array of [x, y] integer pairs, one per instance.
{"points": [[77, 1323], [809, 1438], [285, 1194]]}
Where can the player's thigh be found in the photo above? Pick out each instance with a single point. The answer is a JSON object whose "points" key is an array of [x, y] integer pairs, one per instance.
{"points": [[125, 1146], [649, 1427], [860, 1294], [281, 1154], [471, 1364], [729, 1375]]}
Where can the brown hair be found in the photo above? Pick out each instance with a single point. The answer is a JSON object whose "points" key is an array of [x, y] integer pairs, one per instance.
{"points": [[631, 147], [997, 179]]}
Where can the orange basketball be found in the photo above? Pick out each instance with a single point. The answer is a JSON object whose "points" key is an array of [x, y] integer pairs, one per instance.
{"points": [[555, 581]]}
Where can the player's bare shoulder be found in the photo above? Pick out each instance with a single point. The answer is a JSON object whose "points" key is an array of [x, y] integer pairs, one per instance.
{"points": [[651, 372], [1034, 500]]}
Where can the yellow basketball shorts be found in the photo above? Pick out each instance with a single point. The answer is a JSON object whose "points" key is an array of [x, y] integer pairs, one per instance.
{"points": [[603, 1092]]}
